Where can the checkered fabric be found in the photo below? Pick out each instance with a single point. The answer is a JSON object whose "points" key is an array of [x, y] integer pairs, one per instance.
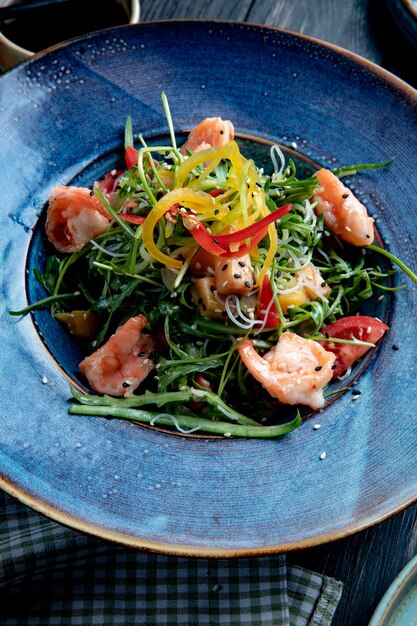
{"points": [[52, 575]]}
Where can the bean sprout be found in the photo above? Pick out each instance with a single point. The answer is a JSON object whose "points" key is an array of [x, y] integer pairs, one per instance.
{"points": [[175, 422]]}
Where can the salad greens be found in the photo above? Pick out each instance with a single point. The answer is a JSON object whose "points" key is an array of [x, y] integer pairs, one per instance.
{"points": [[164, 208]]}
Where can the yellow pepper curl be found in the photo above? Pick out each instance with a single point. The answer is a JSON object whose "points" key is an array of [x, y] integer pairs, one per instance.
{"points": [[198, 201]]}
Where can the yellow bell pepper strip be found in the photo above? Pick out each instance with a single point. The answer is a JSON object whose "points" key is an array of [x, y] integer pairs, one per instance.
{"points": [[228, 151], [198, 201]]}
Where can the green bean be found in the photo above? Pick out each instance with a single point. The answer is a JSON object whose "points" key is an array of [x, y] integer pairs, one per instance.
{"points": [[188, 422], [188, 394]]}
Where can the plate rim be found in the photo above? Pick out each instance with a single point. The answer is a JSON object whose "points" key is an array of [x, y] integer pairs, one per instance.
{"points": [[192, 550], [384, 73]]}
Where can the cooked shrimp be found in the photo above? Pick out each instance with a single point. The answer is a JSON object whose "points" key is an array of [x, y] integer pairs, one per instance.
{"points": [[294, 371], [74, 217], [343, 213], [212, 132], [123, 362]]}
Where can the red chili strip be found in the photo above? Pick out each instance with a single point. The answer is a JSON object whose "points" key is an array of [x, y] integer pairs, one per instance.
{"points": [[202, 237], [253, 229], [244, 249]]}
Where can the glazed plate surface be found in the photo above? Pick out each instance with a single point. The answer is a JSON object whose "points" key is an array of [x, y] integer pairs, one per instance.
{"points": [[62, 116]]}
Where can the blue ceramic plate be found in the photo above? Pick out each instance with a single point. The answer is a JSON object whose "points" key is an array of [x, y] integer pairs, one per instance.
{"points": [[398, 606], [61, 120]]}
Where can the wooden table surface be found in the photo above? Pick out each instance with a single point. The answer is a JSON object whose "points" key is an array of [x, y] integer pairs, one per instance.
{"points": [[366, 562], [369, 561]]}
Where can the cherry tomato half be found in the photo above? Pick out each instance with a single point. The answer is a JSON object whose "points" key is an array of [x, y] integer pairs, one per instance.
{"points": [[361, 327]]}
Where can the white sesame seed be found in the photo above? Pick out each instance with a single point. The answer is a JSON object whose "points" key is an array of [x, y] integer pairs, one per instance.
{"points": [[316, 426], [322, 456], [348, 229], [294, 145], [44, 380], [226, 282], [381, 298], [355, 397], [227, 434]]}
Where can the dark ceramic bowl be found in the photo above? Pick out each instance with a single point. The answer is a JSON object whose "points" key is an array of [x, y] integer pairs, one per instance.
{"points": [[62, 116], [405, 14]]}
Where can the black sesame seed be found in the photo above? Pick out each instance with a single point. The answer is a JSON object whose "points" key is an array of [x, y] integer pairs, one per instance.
{"points": [[242, 264], [224, 268], [125, 384], [200, 301], [222, 132], [368, 236], [326, 334], [345, 195], [247, 284], [318, 368], [333, 367], [323, 284], [212, 288], [356, 392], [141, 354], [217, 211], [153, 354], [237, 276], [216, 241], [203, 306], [395, 347], [91, 193]]}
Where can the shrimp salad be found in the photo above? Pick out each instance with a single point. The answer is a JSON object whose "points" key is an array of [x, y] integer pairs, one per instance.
{"points": [[208, 295]]}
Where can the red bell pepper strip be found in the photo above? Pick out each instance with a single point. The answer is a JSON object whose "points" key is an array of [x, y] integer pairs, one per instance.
{"points": [[255, 232], [134, 219], [205, 240], [264, 299], [253, 229], [244, 249], [131, 157]]}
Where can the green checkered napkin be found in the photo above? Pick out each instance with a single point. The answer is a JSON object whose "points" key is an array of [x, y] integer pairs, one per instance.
{"points": [[52, 575]]}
